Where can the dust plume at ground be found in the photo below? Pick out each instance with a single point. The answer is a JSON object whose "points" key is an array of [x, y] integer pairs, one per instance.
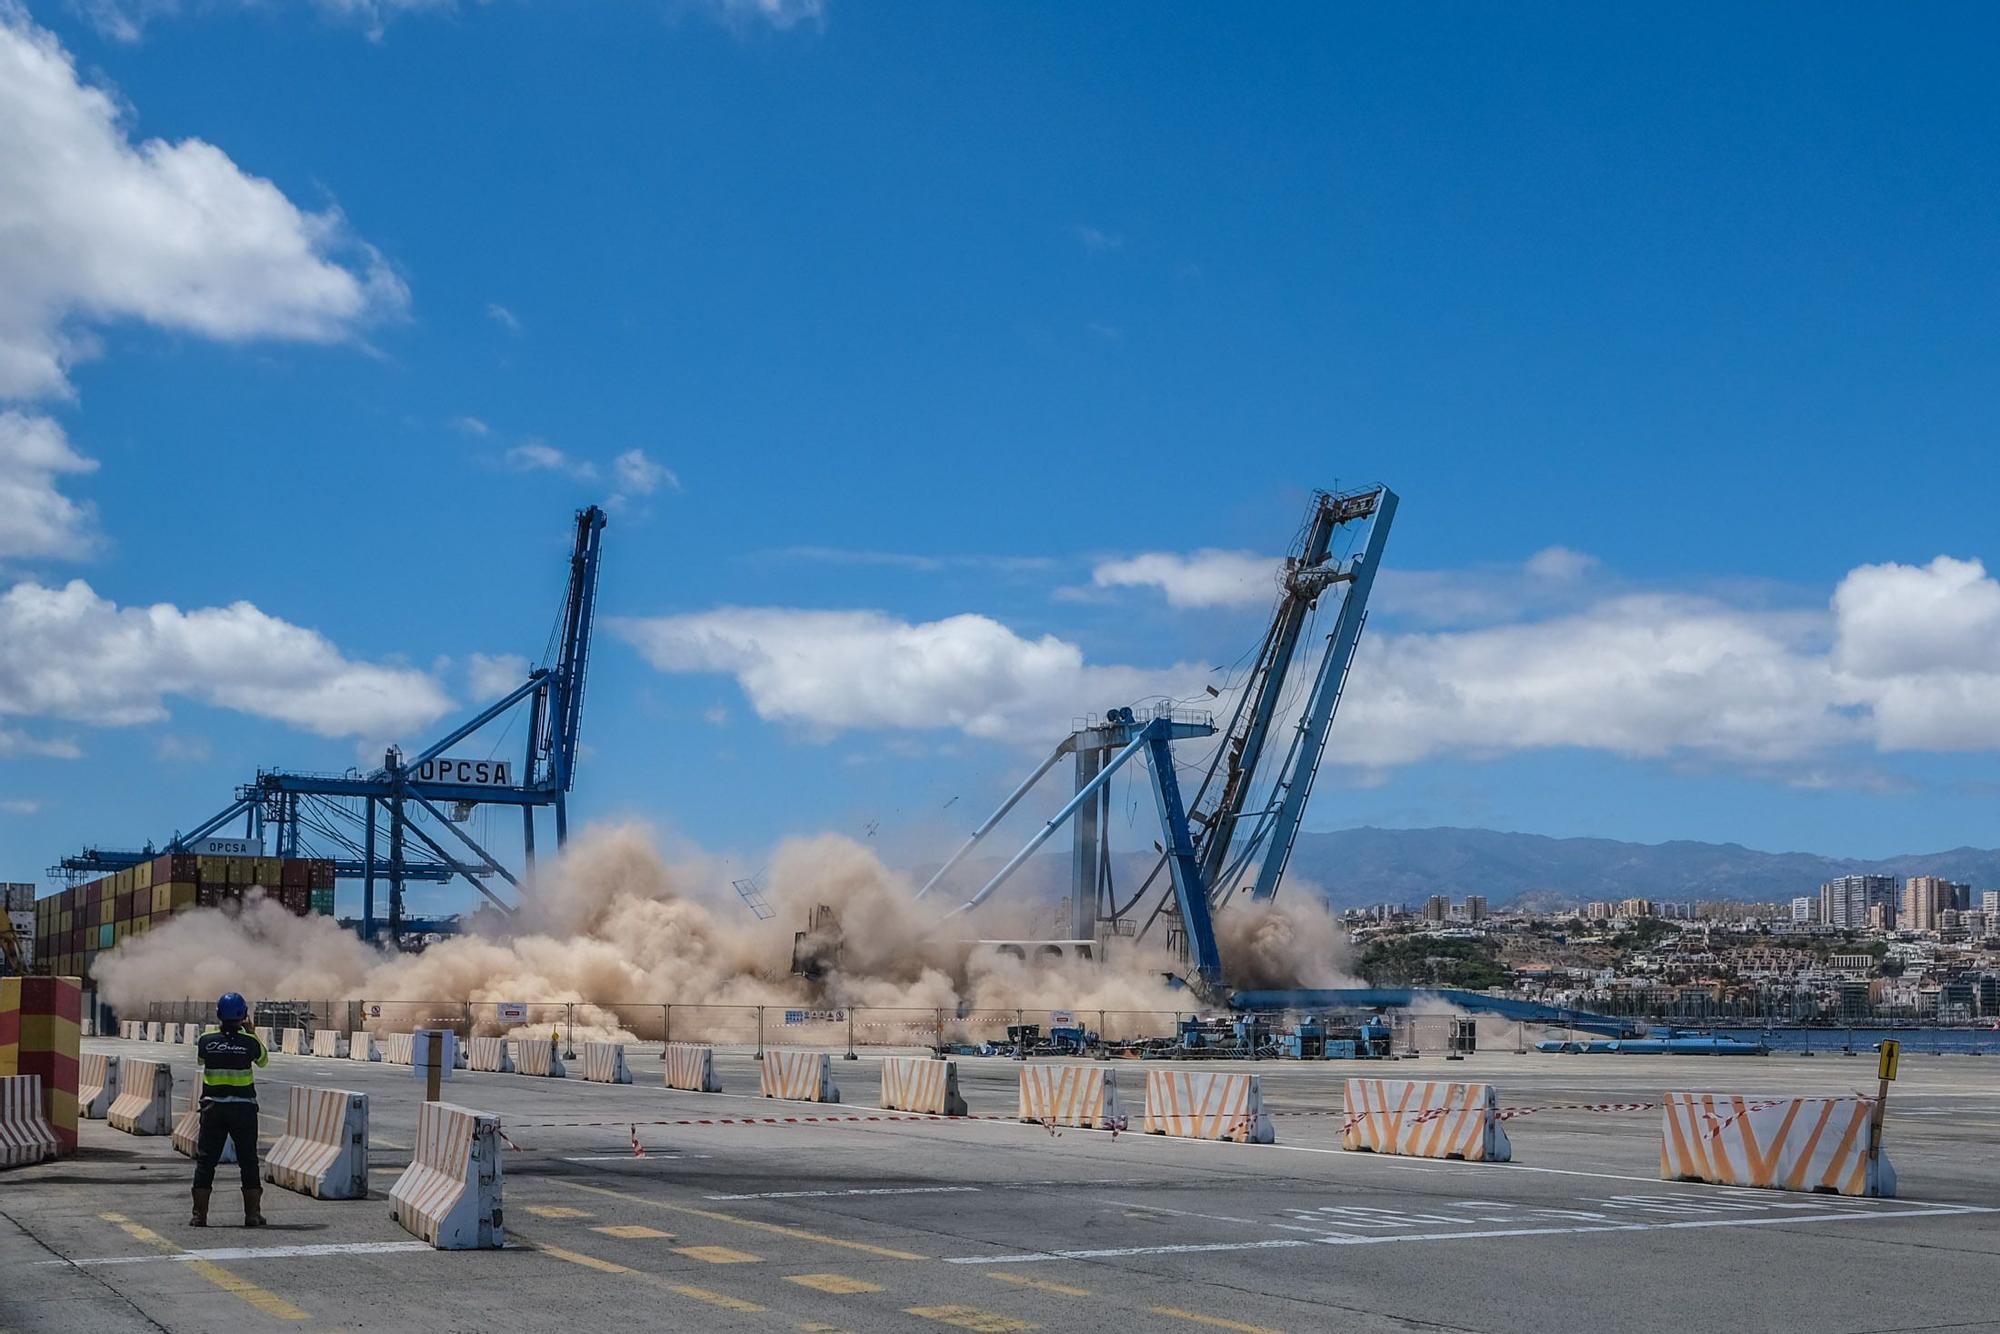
{"points": [[616, 930]]}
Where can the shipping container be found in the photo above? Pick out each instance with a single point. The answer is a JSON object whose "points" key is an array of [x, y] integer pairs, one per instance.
{"points": [[182, 895], [322, 902], [105, 936], [142, 876], [295, 873], [319, 873]]}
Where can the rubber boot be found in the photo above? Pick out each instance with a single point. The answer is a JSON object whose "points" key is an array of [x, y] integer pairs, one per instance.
{"points": [[253, 1215], [200, 1217]]}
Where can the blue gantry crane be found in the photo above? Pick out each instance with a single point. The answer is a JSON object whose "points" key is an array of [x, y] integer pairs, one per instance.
{"points": [[1220, 845], [345, 815]]}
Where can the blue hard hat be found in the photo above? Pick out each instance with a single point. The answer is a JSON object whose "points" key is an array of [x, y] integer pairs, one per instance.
{"points": [[232, 1007]]}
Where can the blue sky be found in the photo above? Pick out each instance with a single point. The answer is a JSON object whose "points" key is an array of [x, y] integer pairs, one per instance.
{"points": [[894, 333]]}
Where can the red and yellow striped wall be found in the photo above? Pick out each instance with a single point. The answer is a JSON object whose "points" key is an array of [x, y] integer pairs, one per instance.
{"points": [[41, 1021]]}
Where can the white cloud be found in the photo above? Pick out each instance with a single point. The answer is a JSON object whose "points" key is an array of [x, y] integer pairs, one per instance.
{"points": [[126, 20], [36, 519], [639, 476], [68, 653], [831, 671], [489, 676], [20, 806], [503, 317], [97, 229], [1205, 578], [540, 456], [1918, 647], [48, 748], [1097, 240], [1560, 565], [472, 426], [780, 14], [172, 748]]}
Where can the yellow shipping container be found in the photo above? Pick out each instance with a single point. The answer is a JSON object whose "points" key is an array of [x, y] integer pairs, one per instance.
{"points": [[142, 876], [210, 869], [180, 895], [141, 926], [163, 897], [270, 871]]}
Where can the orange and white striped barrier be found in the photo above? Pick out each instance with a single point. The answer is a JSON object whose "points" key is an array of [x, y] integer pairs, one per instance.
{"points": [[96, 1085], [186, 1136], [25, 1133], [329, 1042], [155, 1031], [361, 1046], [604, 1063], [145, 1101], [802, 1076], [921, 1084], [399, 1048], [691, 1066], [534, 1056], [1198, 1104], [1810, 1144], [324, 1150], [1417, 1118], [292, 1041], [1071, 1095], [450, 1193], [488, 1054]]}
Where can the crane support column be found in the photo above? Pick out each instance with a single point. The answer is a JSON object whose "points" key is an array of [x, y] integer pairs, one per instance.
{"points": [[1181, 861], [1084, 860]]}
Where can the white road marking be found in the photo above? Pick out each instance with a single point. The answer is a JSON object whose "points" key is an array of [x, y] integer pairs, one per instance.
{"points": [[1115, 1252], [232, 1253], [824, 1194]]}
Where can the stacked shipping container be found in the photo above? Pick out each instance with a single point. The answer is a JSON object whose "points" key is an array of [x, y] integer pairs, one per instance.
{"points": [[73, 927]]}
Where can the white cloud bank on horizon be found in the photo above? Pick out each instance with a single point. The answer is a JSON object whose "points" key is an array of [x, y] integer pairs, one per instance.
{"points": [[1903, 658], [68, 654]]}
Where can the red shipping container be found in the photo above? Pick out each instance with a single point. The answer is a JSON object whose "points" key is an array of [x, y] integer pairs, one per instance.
{"points": [[320, 874], [296, 874]]}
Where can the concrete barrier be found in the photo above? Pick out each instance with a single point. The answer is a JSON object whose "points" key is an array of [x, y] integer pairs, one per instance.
{"points": [[398, 1048], [361, 1047], [145, 1101], [155, 1031], [533, 1056], [489, 1055], [1071, 1095], [96, 1085], [268, 1036], [921, 1084], [324, 1150], [450, 1194], [186, 1137], [330, 1042], [604, 1063], [25, 1133], [1809, 1144], [1416, 1118], [803, 1076], [292, 1041], [129, 1029], [1198, 1104], [691, 1066]]}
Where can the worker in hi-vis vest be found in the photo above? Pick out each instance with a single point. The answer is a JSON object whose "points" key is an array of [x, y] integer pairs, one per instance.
{"points": [[226, 1054]]}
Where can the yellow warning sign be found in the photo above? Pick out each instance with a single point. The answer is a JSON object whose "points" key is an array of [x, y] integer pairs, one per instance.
{"points": [[1892, 1051]]}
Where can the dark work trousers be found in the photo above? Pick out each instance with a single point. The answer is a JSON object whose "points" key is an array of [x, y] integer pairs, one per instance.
{"points": [[222, 1122]]}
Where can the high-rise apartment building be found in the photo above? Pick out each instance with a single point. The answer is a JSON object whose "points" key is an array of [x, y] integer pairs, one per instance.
{"points": [[1437, 908], [1845, 901], [1475, 907], [1805, 908], [1925, 899]]}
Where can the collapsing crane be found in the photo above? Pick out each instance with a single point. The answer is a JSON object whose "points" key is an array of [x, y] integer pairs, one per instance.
{"points": [[1211, 846], [311, 814]]}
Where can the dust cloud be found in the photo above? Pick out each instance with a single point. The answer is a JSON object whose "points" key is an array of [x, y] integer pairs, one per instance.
{"points": [[614, 930]]}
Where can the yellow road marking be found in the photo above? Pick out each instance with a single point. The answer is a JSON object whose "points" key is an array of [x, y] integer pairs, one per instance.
{"points": [[555, 1211], [609, 1267], [970, 1317], [810, 1327], [778, 1229], [833, 1283], [630, 1231], [1039, 1284], [1214, 1321], [717, 1255], [270, 1303], [713, 1298]]}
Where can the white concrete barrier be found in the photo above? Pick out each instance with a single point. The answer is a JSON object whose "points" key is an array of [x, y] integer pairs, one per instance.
{"points": [[398, 1048], [1201, 1104], [155, 1031], [1419, 1118], [691, 1066], [145, 1101], [185, 1034], [130, 1029], [533, 1056], [1071, 1095], [489, 1055], [324, 1150], [25, 1133], [186, 1137], [96, 1085], [361, 1047], [921, 1084], [329, 1042], [802, 1076], [292, 1041], [1810, 1144], [450, 1194], [268, 1036], [604, 1063]]}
